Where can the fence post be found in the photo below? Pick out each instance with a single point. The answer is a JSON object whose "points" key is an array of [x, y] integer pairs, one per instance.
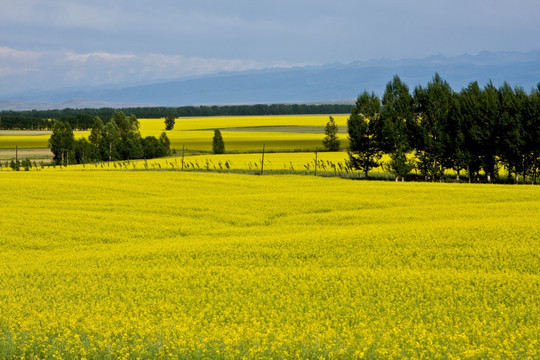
{"points": [[262, 161], [182, 157], [315, 161]]}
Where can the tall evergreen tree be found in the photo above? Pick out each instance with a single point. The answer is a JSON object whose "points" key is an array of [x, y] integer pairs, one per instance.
{"points": [[61, 142], [85, 151], [331, 141], [433, 106], [165, 144], [364, 150], [471, 128], [396, 120], [455, 151], [512, 147], [169, 122], [111, 141], [532, 131], [489, 130], [399, 165], [218, 145], [130, 145], [96, 134]]}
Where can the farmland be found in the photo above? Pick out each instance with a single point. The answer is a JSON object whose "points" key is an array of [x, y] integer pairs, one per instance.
{"points": [[303, 163], [290, 142], [135, 259], [241, 133], [162, 264]]}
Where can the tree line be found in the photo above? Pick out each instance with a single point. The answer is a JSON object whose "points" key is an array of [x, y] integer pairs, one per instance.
{"points": [[83, 119], [473, 131], [117, 139]]}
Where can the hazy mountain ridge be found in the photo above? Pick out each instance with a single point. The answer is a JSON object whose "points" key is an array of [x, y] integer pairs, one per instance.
{"points": [[329, 82], [73, 104]]}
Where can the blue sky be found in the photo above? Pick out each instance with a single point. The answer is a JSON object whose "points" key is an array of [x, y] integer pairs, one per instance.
{"points": [[64, 43]]}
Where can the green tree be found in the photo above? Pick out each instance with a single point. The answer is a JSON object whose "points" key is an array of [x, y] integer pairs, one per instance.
{"points": [[61, 142], [96, 137], [364, 150], [152, 148], [512, 147], [532, 131], [433, 106], [27, 164], [111, 140], [470, 114], [218, 145], [455, 150], [169, 122], [399, 165], [85, 152], [165, 144], [130, 146], [395, 117], [96, 134], [15, 165], [396, 120], [331, 141], [489, 130]]}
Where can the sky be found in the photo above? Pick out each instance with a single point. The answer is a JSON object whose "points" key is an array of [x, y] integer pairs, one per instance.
{"points": [[48, 44]]}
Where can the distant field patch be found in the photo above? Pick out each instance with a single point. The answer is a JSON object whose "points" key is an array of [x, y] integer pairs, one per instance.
{"points": [[34, 154], [283, 129], [26, 139], [240, 133], [24, 132], [156, 125]]}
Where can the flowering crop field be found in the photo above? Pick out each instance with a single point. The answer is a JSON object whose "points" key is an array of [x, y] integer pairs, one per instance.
{"points": [[248, 133], [295, 162], [241, 134], [29, 139], [156, 126], [163, 264]]}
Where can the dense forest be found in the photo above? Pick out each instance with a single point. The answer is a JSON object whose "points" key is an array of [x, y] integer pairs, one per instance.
{"points": [[474, 131], [83, 119]]}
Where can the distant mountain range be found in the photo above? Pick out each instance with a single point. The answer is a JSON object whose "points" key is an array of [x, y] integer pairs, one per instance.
{"points": [[310, 84]]}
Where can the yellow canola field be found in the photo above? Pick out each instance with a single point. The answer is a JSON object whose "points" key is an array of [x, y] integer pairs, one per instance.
{"points": [[275, 162], [187, 132], [156, 126], [167, 265], [328, 164], [26, 141], [245, 141], [196, 133]]}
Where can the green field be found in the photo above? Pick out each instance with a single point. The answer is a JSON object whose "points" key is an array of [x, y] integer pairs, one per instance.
{"points": [[162, 264]]}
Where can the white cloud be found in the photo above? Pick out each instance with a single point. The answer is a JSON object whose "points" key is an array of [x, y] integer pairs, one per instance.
{"points": [[14, 54], [75, 42], [20, 71], [97, 55], [62, 14], [23, 69]]}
